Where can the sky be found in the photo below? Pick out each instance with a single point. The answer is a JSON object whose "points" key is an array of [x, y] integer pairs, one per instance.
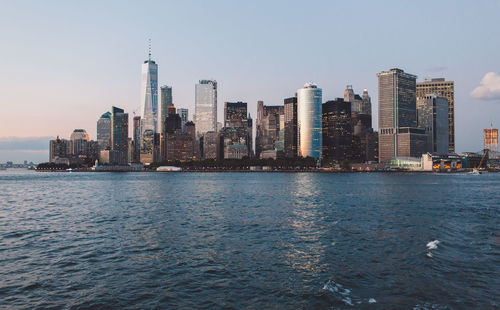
{"points": [[64, 63]]}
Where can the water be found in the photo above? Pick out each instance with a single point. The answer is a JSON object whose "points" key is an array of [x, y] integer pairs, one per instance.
{"points": [[249, 240]]}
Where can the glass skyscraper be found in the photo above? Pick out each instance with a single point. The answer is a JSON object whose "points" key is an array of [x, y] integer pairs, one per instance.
{"points": [[432, 115], [149, 109], [309, 100], [205, 116], [104, 131], [165, 102]]}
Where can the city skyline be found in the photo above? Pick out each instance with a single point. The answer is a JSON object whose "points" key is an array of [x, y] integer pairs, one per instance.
{"points": [[259, 69]]}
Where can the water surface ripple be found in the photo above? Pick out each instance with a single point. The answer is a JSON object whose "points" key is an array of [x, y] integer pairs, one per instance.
{"points": [[249, 240]]}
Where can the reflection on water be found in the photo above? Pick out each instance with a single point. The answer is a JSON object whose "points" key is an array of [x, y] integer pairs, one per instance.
{"points": [[256, 240]]}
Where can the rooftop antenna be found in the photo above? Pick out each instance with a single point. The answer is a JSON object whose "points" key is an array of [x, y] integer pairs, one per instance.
{"points": [[149, 49]]}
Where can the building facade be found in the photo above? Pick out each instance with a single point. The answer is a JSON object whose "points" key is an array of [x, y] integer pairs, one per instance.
{"points": [[104, 131], [149, 110], [205, 116], [337, 130], [398, 132], [119, 137], [432, 115], [309, 116], [269, 129], [291, 135], [445, 89], [491, 142], [165, 101]]}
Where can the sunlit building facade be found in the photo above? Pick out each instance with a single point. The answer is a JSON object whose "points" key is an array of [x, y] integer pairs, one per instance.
{"points": [[205, 116], [309, 120], [491, 142]]}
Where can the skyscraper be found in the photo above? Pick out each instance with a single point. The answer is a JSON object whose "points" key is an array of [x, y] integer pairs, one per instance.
{"points": [[491, 142], [309, 120], [432, 115], [205, 116], [445, 89], [136, 158], [79, 142], [165, 102], [291, 139], [398, 135], [119, 137], [149, 109], [268, 130], [104, 131], [337, 130]]}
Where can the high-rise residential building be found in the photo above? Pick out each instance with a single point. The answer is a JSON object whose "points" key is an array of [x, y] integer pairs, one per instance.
{"points": [[291, 136], [491, 142], [119, 137], [337, 130], [398, 132], [432, 115], [210, 140], [268, 130], [79, 141], [149, 109], [309, 116], [205, 116], [444, 89], [104, 131], [165, 102]]}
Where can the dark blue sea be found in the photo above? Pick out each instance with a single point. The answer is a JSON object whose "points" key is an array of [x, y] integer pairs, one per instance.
{"points": [[249, 241]]}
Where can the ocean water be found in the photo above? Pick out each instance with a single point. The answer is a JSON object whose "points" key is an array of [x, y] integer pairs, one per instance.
{"points": [[249, 240]]}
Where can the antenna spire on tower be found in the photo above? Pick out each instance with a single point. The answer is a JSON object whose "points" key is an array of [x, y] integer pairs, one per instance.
{"points": [[150, 49]]}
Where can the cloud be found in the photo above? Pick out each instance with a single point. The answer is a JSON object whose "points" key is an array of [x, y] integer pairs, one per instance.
{"points": [[489, 88], [32, 144]]}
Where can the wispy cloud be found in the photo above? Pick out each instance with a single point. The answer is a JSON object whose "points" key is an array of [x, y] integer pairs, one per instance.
{"points": [[489, 88]]}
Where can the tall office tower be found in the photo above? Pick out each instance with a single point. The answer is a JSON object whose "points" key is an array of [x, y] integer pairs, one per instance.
{"points": [[337, 130], [205, 114], [398, 132], [291, 140], [104, 131], [355, 100], [136, 158], [119, 137], [79, 142], [184, 116], [268, 131], [444, 89], [149, 109], [210, 145], [432, 115], [366, 105], [165, 102], [491, 142], [309, 121]]}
